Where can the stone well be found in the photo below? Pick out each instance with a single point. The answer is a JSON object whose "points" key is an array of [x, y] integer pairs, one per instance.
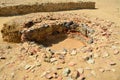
{"points": [[41, 27]]}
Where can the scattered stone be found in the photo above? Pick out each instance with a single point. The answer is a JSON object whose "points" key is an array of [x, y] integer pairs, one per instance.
{"points": [[71, 63], [80, 70], [45, 26], [112, 63], [90, 41], [82, 77], [91, 61], [74, 52], [116, 52], [49, 51], [38, 64], [64, 51], [12, 74], [55, 75], [93, 73], [53, 60], [62, 61], [89, 49], [101, 70], [27, 67], [44, 73], [59, 78], [75, 74], [105, 55], [49, 76], [59, 67], [66, 71], [96, 56], [3, 58], [61, 56]]}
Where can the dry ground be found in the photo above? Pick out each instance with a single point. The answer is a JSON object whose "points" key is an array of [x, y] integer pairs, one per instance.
{"points": [[105, 9]]}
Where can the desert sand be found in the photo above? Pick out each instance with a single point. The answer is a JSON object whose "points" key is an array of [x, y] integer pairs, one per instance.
{"points": [[105, 9]]}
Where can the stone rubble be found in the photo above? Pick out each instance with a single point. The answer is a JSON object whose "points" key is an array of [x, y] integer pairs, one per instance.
{"points": [[31, 58]]}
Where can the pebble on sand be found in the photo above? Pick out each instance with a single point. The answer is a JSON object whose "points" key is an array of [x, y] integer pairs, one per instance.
{"points": [[80, 70], [27, 67], [72, 63], [66, 71], [73, 52], [75, 74]]}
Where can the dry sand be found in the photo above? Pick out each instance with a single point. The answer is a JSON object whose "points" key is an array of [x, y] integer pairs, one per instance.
{"points": [[105, 9]]}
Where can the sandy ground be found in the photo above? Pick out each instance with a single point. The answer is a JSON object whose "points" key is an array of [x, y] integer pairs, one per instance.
{"points": [[105, 9]]}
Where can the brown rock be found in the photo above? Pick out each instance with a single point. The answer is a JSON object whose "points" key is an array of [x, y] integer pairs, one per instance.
{"points": [[72, 63], [75, 74], [49, 76], [59, 78], [116, 52]]}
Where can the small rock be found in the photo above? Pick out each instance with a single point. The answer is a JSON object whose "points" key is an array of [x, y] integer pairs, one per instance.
{"points": [[3, 58], [80, 70], [96, 56], [59, 78], [55, 75], [12, 74], [27, 67], [66, 71], [93, 73], [38, 64], [71, 63], [82, 77], [112, 63], [47, 60], [105, 55], [59, 67], [74, 52], [49, 76], [53, 60], [64, 51], [116, 52], [61, 56], [50, 51], [62, 61], [75, 74], [44, 73], [91, 61], [90, 41], [45, 25], [101, 70]]}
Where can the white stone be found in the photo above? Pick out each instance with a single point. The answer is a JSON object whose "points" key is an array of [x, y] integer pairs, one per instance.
{"points": [[101, 70], [105, 55], [91, 61], [81, 70], [93, 73], [27, 67], [96, 56], [74, 52], [53, 59]]}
